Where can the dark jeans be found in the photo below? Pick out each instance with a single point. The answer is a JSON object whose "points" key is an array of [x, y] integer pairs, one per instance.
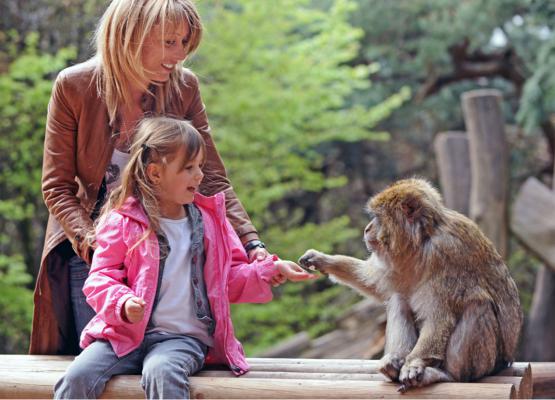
{"points": [[82, 312]]}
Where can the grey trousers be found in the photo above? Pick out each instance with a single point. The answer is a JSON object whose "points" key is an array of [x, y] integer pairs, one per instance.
{"points": [[165, 362]]}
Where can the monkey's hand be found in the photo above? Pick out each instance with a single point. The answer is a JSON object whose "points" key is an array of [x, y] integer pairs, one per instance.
{"points": [[390, 365], [411, 374], [315, 260]]}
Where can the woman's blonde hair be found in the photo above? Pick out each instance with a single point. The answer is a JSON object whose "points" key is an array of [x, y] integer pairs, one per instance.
{"points": [[158, 140], [120, 38]]}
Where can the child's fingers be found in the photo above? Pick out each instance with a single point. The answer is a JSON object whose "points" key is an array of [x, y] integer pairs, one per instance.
{"points": [[301, 276], [138, 301]]}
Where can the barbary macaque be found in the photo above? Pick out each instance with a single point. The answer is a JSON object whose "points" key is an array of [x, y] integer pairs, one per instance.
{"points": [[453, 310]]}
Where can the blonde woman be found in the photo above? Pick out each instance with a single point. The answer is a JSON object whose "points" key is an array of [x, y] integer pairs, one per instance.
{"points": [[92, 117]]}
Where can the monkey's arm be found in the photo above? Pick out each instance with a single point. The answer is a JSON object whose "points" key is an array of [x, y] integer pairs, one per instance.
{"points": [[400, 336], [362, 275]]}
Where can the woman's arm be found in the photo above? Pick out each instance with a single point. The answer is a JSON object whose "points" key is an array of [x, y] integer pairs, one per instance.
{"points": [[59, 187]]}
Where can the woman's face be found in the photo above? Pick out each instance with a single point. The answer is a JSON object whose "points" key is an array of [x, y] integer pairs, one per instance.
{"points": [[162, 52]]}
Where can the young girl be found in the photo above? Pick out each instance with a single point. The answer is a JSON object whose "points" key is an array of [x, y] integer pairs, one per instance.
{"points": [[167, 266]]}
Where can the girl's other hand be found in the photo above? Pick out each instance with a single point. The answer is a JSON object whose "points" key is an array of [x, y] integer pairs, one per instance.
{"points": [[293, 272], [134, 309]]}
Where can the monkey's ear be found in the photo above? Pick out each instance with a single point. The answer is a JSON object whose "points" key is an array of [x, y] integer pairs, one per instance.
{"points": [[411, 207]]}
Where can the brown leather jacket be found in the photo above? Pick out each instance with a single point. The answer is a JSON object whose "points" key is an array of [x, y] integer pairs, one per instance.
{"points": [[78, 146]]}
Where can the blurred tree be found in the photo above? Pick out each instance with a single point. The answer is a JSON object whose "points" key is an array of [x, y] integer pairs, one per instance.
{"points": [[277, 84], [441, 48], [279, 91], [24, 93]]}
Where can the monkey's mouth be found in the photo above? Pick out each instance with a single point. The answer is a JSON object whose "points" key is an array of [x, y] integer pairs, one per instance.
{"points": [[372, 245]]}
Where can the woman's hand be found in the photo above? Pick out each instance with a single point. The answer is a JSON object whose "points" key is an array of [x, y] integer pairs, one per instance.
{"points": [[258, 253], [288, 270], [134, 309]]}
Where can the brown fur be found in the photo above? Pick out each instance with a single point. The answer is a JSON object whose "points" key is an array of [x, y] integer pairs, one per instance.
{"points": [[453, 310]]}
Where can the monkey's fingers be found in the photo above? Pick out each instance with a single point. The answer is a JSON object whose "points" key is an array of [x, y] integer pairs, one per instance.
{"points": [[402, 388]]}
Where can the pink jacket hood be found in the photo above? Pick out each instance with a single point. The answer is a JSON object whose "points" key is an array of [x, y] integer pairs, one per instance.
{"points": [[229, 278]]}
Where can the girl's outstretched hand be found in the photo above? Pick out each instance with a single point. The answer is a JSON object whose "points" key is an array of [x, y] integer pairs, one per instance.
{"points": [[134, 309], [288, 270]]}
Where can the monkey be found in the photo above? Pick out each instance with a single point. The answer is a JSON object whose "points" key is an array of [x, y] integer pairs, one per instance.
{"points": [[453, 310]]}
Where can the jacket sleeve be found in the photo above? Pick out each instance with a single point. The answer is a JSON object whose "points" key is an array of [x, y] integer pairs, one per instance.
{"points": [[105, 287], [59, 187], [248, 282], [216, 179]]}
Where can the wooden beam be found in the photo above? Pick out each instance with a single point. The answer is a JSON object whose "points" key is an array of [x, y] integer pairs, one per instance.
{"points": [[453, 162], [533, 219], [488, 151], [16, 385], [24, 376]]}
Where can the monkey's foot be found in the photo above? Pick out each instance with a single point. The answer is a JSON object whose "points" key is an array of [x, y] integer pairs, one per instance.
{"points": [[412, 373], [416, 374], [390, 365]]}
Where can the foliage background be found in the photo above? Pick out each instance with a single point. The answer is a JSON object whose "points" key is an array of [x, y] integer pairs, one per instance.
{"points": [[314, 105]]}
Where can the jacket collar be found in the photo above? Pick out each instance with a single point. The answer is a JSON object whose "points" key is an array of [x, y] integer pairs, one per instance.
{"points": [[133, 209]]}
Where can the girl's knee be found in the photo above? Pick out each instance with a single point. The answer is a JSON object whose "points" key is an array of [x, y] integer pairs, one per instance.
{"points": [[75, 383]]}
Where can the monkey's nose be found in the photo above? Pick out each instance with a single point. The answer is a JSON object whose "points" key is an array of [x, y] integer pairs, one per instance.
{"points": [[367, 229]]}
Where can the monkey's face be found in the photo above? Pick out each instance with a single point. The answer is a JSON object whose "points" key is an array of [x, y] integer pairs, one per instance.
{"points": [[378, 234], [402, 217], [371, 233]]}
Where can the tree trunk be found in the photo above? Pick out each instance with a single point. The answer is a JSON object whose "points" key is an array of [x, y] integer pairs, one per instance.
{"points": [[489, 164]]}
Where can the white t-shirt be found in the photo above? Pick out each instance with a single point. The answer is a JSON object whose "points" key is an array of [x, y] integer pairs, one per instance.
{"points": [[114, 170], [175, 311]]}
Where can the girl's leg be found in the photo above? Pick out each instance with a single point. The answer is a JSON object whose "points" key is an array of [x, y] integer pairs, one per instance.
{"points": [[82, 312], [169, 362], [88, 374]]}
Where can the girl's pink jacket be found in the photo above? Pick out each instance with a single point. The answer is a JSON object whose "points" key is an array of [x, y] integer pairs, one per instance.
{"points": [[117, 274]]}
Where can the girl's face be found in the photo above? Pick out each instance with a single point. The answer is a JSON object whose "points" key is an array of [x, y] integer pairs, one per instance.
{"points": [[163, 51], [177, 184]]}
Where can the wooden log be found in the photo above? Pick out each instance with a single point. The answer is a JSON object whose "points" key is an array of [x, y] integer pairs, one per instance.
{"points": [[305, 365], [543, 374], [39, 385], [533, 219], [33, 376], [295, 375], [519, 368], [451, 149], [523, 388], [489, 164]]}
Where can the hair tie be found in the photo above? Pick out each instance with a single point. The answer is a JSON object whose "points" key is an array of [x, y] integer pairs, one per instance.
{"points": [[144, 153]]}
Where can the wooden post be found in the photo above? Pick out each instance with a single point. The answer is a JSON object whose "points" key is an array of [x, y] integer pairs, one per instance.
{"points": [[533, 222], [453, 163], [489, 164]]}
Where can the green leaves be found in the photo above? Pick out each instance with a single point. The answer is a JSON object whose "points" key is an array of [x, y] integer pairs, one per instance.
{"points": [[280, 88], [24, 93]]}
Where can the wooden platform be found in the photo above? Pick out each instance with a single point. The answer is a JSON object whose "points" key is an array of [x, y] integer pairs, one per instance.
{"points": [[24, 376]]}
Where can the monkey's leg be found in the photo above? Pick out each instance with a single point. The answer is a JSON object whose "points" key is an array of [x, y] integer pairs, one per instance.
{"points": [[423, 364], [472, 351], [358, 274], [400, 336]]}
